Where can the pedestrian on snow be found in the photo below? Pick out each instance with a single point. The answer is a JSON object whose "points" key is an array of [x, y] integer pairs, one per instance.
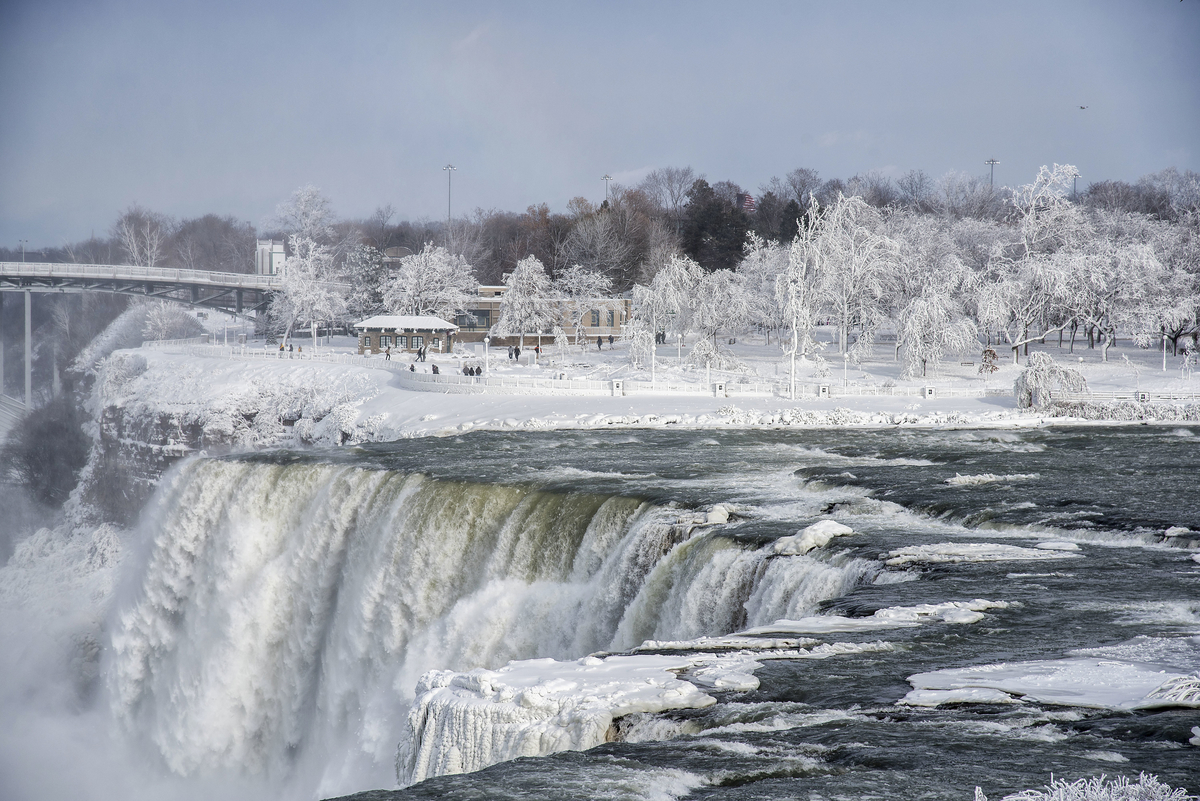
{"points": [[537, 349], [466, 370], [510, 350], [387, 353], [412, 368], [435, 370], [517, 353], [610, 341], [599, 343]]}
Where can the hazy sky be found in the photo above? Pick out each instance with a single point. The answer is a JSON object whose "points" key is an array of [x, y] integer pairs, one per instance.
{"points": [[226, 107]]}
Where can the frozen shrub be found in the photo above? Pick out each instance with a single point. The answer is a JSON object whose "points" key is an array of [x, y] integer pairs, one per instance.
{"points": [[1098, 788], [1043, 376]]}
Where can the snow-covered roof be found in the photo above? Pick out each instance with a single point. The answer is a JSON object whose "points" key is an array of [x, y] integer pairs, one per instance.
{"points": [[407, 322]]}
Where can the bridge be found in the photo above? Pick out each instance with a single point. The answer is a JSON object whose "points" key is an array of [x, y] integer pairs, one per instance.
{"points": [[235, 292], [231, 292]]}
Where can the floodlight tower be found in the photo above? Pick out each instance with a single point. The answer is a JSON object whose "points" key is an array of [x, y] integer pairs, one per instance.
{"points": [[449, 168], [992, 177], [606, 179]]}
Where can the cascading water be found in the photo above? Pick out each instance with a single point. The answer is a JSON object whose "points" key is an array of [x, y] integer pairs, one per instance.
{"points": [[285, 612]]}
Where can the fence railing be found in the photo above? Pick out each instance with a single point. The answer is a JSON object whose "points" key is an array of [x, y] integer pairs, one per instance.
{"points": [[132, 272], [1132, 395]]}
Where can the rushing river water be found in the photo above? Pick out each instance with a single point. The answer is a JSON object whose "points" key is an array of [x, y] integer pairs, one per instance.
{"points": [[285, 606]]}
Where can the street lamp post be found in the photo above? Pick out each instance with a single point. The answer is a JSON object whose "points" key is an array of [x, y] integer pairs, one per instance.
{"points": [[1075, 187], [992, 177], [606, 179], [487, 341], [449, 169], [24, 242]]}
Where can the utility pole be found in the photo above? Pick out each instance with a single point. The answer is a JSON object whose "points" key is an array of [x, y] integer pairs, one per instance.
{"points": [[1075, 186], [992, 177], [606, 179], [449, 168]]}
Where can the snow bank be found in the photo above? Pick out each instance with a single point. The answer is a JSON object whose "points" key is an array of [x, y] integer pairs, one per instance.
{"points": [[1086, 682], [462, 722], [815, 536], [971, 552]]}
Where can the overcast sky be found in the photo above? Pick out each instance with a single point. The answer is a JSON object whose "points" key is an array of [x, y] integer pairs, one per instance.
{"points": [[226, 107]]}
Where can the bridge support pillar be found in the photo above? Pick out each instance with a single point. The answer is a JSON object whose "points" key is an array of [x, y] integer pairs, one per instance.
{"points": [[195, 295], [28, 351], [1, 343], [238, 294]]}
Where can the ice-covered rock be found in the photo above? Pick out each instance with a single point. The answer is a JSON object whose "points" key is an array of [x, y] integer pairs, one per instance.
{"points": [[462, 722], [815, 536]]}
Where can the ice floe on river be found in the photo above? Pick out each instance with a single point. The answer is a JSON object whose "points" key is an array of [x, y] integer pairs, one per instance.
{"points": [[1085, 682], [971, 552]]}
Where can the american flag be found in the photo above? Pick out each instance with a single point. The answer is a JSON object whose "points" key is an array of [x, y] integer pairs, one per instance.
{"points": [[745, 201]]}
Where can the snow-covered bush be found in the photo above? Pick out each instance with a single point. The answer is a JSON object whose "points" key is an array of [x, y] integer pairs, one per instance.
{"points": [[706, 354], [1098, 788], [641, 348], [1041, 377], [169, 321]]}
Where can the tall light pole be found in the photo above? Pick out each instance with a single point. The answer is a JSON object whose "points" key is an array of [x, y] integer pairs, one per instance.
{"points": [[606, 179], [24, 242], [449, 169], [1075, 186], [992, 177]]}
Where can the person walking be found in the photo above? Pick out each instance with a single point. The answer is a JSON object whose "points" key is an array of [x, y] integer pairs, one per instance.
{"points": [[387, 353], [599, 343], [610, 341], [517, 353], [510, 350]]}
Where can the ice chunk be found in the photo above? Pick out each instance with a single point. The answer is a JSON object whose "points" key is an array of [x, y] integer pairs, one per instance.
{"points": [[967, 695], [718, 514], [1100, 683], [990, 478], [1057, 545], [462, 722], [815, 536], [970, 552], [894, 617]]}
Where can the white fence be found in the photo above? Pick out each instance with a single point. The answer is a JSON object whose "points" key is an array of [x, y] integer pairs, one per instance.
{"points": [[1127, 395]]}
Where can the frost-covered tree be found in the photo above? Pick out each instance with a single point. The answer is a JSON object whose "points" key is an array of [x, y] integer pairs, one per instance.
{"points": [[434, 281], [527, 304], [1112, 286], [582, 290], [759, 271], [307, 214], [856, 261], [367, 276], [143, 235], [666, 305], [930, 326], [307, 292], [1042, 377], [719, 303]]}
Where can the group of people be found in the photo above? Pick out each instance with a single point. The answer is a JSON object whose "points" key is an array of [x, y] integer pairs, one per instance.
{"points": [[472, 370], [290, 350], [600, 342]]}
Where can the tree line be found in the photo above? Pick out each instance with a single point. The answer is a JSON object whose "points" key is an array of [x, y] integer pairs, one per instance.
{"points": [[941, 264]]}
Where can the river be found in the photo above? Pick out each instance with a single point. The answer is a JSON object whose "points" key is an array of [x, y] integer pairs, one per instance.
{"points": [[279, 610]]}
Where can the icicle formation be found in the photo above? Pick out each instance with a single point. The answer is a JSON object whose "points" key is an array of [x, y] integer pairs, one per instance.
{"points": [[288, 611]]}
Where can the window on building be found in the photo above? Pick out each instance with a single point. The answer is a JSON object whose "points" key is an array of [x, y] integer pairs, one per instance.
{"points": [[612, 318], [595, 318], [366, 341], [418, 342], [385, 341], [435, 343], [402, 342]]}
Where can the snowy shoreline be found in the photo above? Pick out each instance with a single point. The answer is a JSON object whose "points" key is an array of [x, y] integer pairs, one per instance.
{"points": [[263, 404]]}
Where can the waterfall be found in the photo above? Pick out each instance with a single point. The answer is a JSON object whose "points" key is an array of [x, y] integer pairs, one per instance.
{"points": [[281, 615]]}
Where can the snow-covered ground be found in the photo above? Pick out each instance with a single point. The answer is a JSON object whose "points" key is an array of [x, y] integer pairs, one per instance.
{"points": [[339, 403]]}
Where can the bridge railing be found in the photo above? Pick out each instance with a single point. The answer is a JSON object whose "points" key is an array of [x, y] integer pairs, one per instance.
{"points": [[132, 272]]}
